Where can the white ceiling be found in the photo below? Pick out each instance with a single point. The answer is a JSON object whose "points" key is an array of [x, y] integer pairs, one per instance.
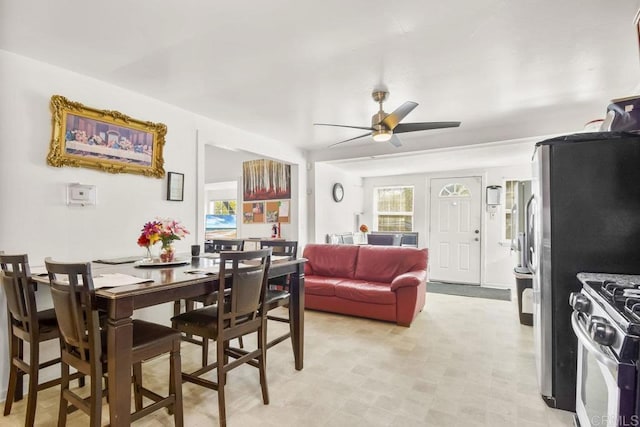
{"points": [[507, 69]]}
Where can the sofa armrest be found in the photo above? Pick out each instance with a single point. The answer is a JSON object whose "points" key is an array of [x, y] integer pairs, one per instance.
{"points": [[412, 278]]}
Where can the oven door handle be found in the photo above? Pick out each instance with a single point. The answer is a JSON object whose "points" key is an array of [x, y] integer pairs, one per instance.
{"points": [[587, 342]]}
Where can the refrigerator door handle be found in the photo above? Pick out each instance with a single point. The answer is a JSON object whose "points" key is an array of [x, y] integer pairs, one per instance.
{"points": [[514, 237], [530, 237]]}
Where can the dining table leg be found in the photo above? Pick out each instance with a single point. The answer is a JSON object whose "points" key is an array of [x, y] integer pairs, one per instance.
{"points": [[119, 346], [297, 315]]}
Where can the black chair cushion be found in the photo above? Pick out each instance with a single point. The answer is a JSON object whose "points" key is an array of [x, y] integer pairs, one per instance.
{"points": [[147, 334], [202, 322]]}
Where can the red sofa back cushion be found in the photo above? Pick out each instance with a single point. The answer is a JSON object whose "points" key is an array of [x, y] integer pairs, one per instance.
{"points": [[384, 263], [330, 260]]}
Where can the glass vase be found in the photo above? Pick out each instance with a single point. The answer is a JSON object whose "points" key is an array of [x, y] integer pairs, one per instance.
{"points": [[167, 253], [148, 256]]}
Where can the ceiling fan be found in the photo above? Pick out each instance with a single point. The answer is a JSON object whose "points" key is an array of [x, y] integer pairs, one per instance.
{"points": [[384, 126]]}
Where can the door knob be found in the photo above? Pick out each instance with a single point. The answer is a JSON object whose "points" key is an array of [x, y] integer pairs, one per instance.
{"points": [[476, 239], [477, 231]]}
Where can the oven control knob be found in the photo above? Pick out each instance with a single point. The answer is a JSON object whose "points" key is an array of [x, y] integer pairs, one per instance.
{"points": [[579, 302], [602, 333]]}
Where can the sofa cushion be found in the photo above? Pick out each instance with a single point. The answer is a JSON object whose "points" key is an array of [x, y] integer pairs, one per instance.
{"points": [[330, 260], [384, 263], [369, 292], [320, 285]]}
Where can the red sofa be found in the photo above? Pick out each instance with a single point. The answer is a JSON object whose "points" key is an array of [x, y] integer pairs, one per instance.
{"points": [[378, 282]]}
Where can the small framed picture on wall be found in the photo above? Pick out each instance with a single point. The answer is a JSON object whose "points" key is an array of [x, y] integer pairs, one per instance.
{"points": [[175, 186]]}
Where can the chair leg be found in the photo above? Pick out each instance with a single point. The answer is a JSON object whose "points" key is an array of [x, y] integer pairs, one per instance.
{"points": [[205, 351], [176, 311], [95, 402], [13, 375], [226, 346], [137, 385], [32, 398], [262, 361], [175, 385], [64, 386], [20, 379], [221, 377]]}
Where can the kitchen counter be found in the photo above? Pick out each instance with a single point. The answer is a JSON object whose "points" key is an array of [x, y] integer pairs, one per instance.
{"points": [[601, 277]]}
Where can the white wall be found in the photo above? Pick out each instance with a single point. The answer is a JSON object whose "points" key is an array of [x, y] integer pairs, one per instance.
{"points": [[227, 190], [497, 261], [328, 216], [222, 164], [34, 218]]}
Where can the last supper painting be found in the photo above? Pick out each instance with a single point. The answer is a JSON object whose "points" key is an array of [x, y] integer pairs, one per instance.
{"points": [[266, 180]]}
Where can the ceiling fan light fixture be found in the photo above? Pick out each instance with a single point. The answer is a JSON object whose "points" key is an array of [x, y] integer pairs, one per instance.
{"points": [[382, 135]]}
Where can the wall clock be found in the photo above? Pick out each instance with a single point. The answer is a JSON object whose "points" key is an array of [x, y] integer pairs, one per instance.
{"points": [[338, 192]]}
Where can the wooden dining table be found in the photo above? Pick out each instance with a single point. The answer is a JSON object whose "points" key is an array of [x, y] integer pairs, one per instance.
{"points": [[169, 283]]}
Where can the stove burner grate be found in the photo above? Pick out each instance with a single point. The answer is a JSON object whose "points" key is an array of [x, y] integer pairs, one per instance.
{"points": [[616, 290], [632, 307]]}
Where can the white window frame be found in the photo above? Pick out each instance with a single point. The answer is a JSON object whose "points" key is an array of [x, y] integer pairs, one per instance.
{"points": [[376, 213], [212, 205]]}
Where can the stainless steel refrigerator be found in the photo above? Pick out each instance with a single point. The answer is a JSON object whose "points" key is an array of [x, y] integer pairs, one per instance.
{"points": [[584, 216]]}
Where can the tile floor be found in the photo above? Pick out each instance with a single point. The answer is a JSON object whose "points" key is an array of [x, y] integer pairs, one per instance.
{"points": [[464, 362]]}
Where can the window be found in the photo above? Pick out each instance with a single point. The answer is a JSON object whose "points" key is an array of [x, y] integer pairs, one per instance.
{"points": [[222, 207], [393, 208], [221, 220], [455, 190], [509, 201]]}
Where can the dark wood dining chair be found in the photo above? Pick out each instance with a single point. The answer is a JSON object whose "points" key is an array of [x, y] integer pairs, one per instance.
{"points": [[238, 312], [381, 239], [278, 294], [83, 347], [212, 246], [219, 245], [409, 239], [26, 325]]}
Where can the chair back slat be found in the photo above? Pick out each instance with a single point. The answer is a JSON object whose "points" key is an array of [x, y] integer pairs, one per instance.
{"points": [[219, 245], [19, 291], [281, 247], [246, 277], [74, 299]]}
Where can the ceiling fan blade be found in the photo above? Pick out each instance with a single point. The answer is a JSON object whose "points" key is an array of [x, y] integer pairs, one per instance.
{"points": [[413, 127], [344, 126], [392, 120], [350, 139], [395, 141]]}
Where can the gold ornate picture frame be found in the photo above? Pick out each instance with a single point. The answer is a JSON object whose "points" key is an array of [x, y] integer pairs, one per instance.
{"points": [[106, 140]]}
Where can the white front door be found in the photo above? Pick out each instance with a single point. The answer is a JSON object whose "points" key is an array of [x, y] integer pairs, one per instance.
{"points": [[454, 247]]}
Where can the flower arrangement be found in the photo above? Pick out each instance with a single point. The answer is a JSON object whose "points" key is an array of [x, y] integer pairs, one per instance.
{"points": [[364, 228], [162, 230]]}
